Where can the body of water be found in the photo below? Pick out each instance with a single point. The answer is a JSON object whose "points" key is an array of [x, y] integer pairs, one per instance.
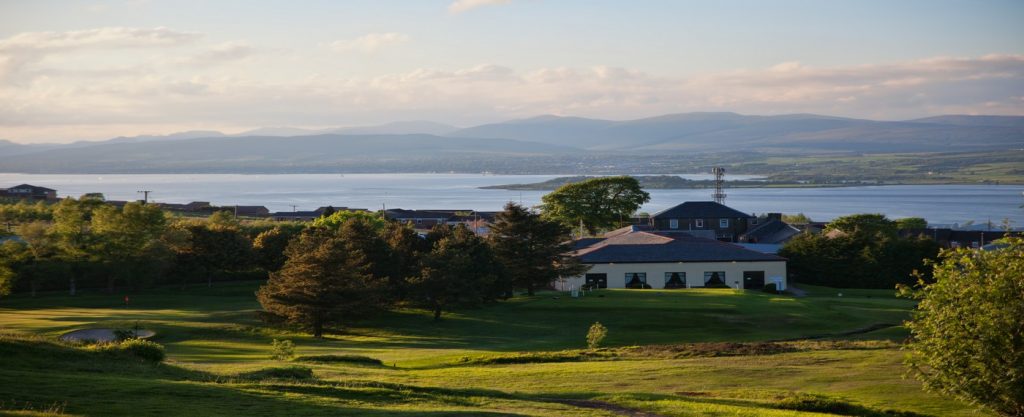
{"points": [[939, 204]]}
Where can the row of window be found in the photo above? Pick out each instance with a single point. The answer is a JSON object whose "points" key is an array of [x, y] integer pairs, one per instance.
{"points": [[674, 277], [698, 223]]}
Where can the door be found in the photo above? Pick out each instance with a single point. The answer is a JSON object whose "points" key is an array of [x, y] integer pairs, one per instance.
{"points": [[753, 280], [597, 280]]}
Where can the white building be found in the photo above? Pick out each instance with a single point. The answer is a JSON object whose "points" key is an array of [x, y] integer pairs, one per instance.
{"points": [[630, 258]]}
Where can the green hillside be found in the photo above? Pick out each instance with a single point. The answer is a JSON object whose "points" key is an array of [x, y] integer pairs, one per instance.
{"points": [[670, 353]]}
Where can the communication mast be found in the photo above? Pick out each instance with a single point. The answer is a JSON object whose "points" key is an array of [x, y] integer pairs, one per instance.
{"points": [[719, 195]]}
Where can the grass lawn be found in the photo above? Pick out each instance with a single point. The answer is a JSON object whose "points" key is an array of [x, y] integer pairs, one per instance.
{"points": [[658, 361]]}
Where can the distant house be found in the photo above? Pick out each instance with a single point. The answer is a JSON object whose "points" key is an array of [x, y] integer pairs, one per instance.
{"points": [[310, 215], [29, 192], [478, 221], [248, 211], [951, 238], [634, 258], [769, 229], [700, 217]]}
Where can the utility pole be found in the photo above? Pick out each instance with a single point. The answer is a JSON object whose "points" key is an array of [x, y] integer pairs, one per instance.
{"points": [[294, 207], [145, 195]]}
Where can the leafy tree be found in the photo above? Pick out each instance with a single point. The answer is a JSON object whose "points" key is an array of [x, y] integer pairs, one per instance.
{"points": [[968, 329], [459, 271], [322, 283], [908, 223], [405, 250], [212, 249], [269, 247], [7, 277], [223, 219], [596, 203], [798, 218], [532, 250], [864, 226], [127, 243], [70, 228], [36, 259], [855, 260], [338, 218]]}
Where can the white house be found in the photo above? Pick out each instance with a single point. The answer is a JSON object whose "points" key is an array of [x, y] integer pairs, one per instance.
{"points": [[631, 258]]}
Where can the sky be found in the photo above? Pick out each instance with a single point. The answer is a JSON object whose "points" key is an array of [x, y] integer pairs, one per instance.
{"points": [[90, 69]]}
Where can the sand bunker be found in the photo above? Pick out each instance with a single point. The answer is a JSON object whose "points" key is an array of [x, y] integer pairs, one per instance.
{"points": [[100, 335]]}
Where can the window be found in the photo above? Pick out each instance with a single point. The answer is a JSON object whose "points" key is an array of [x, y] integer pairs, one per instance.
{"points": [[753, 221], [636, 280], [675, 280], [714, 279], [700, 222], [673, 223], [723, 223]]}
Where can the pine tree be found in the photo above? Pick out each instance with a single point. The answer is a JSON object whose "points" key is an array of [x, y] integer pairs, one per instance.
{"points": [[322, 283], [459, 271], [532, 250]]}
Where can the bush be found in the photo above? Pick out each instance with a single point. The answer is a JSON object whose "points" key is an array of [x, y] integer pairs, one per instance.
{"points": [[143, 349], [286, 372], [353, 359], [536, 357], [282, 350], [823, 404], [770, 288], [596, 335]]}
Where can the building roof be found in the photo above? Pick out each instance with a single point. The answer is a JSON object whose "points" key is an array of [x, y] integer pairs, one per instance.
{"points": [[651, 247], [771, 231], [35, 189], [700, 210]]}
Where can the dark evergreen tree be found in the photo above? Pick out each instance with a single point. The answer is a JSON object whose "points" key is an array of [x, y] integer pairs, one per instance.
{"points": [[533, 251], [459, 271], [322, 283]]}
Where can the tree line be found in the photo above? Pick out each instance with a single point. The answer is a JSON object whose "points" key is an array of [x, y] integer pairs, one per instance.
{"points": [[860, 251], [336, 272]]}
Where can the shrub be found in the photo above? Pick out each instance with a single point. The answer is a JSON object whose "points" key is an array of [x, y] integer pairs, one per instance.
{"points": [[770, 288], [286, 372], [353, 359], [596, 335], [124, 334], [282, 349], [537, 357], [143, 349], [824, 404]]}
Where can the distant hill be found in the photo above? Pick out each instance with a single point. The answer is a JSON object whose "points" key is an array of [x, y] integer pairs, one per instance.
{"points": [[545, 143], [721, 132], [268, 154]]}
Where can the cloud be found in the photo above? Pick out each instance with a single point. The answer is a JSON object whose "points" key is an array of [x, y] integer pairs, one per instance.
{"points": [[110, 37], [222, 53], [370, 43], [24, 49], [134, 101], [459, 6]]}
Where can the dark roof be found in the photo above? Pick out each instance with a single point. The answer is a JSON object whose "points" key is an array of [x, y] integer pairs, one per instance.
{"points": [[585, 242], [771, 231], [700, 210], [35, 189], [647, 247]]}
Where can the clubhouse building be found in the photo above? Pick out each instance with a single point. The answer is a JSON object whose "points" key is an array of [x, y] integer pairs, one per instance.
{"points": [[634, 258]]}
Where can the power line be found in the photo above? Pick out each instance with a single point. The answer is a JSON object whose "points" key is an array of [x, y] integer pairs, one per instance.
{"points": [[145, 195]]}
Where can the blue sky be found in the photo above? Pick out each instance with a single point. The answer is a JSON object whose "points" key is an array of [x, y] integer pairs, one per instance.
{"points": [[95, 69]]}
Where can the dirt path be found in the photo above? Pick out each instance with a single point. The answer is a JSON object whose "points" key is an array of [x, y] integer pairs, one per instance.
{"points": [[606, 406]]}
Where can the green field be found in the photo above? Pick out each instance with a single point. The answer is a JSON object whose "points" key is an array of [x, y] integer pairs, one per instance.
{"points": [[667, 356]]}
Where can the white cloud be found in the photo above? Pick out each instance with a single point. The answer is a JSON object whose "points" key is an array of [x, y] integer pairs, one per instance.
{"points": [[135, 100], [225, 52], [24, 49], [370, 43], [459, 6]]}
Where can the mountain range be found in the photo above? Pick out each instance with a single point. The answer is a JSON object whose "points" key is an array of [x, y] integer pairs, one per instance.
{"points": [[434, 146]]}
